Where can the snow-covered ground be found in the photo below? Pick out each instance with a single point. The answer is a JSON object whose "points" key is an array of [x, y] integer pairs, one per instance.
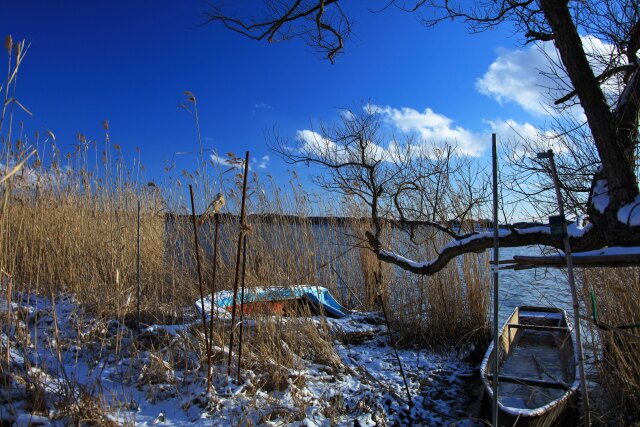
{"points": [[64, 365]]}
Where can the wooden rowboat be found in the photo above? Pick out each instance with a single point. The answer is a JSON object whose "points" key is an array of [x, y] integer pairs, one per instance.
{"points": [[279, 300], [537, 367]]}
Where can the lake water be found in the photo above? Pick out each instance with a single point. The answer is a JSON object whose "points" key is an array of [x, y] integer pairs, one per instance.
{"points": [[539, 287]]}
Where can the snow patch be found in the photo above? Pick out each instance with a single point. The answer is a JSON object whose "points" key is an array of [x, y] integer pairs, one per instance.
{"points": [[578, 228], [629, 214], [600, 197], [145, 386], [614, 250]]}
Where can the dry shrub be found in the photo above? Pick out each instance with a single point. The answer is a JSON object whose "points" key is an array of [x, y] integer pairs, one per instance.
{"points": [[268, 354], [617, 296], [311, 342], [84, 408], [276, 347]]}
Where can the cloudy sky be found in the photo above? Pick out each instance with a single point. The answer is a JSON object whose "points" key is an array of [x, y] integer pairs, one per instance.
{"points": [[130, 63]]}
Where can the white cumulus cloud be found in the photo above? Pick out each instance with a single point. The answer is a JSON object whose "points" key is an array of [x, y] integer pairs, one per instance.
{"points": [[263, 162], [515, 76], [532, 79], [315, 144], [434, 128]]}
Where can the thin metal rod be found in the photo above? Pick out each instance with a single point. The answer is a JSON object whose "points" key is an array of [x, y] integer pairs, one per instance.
{"points": [[395, 349], [138, 276], [238, 255], [494, 267], [204, 314], [216, 219], [574, 296], [244, 264]]}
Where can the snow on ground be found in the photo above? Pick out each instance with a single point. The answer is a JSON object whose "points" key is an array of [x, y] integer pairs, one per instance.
{"points": [[65, 365]]}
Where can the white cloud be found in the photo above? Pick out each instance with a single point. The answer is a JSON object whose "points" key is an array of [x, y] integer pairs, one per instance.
{"points": [[515, 76], [531, 77], [525, 137], [238, 164], [513, 131], [434, 128], [263, 162], [262, 106], [313, 142]]}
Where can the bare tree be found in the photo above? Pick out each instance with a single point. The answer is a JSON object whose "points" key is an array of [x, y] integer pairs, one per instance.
{"points": [[603, 156], [408, 182]]}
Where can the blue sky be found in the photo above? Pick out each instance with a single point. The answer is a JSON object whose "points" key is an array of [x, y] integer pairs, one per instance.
{"points": [[130, 62]]}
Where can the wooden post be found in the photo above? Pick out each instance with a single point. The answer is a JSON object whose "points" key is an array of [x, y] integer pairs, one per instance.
{"points": [[238, 255], [204, 315], [138, 275], [574, 294], [216, 219], [244, 263]]}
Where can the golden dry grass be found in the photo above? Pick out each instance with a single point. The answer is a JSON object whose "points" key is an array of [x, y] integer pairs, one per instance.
{"points": [[68, 224], [617, 297]]}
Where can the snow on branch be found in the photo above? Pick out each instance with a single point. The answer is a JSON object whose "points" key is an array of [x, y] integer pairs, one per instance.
{"points": [[510, 237]]}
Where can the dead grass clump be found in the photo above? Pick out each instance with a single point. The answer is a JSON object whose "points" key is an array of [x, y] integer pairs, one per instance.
{"points": [[269, 356], [276, 348], [311, 342], [81, 407], [155, 370]]}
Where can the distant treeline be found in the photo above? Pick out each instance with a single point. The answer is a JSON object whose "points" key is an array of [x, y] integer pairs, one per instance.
{"points": [[273, 218]]}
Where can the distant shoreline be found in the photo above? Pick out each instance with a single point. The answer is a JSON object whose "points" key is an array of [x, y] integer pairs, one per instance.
{"points": [[326, 220]]}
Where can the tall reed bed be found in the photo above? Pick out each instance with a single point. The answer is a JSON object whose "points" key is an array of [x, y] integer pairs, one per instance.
{"points": [[617, 300], [69, 224], [448, 309]]}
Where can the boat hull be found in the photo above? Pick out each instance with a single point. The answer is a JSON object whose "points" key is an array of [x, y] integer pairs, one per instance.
{"points": [[277, 300], [537, 374]]}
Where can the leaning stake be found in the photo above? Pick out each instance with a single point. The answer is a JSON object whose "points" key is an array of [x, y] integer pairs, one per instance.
{"points": [[395, 349], [204, 314], [238, 255], [572, 283]]}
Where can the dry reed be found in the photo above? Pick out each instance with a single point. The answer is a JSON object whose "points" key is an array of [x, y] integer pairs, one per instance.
{"points": [[68, 225], [617, 298]]}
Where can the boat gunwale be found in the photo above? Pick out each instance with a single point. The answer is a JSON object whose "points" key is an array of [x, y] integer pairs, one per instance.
{"points": [[541, 410]]}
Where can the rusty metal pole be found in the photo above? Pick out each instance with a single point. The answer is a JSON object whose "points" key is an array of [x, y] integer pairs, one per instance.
{"points": [[238, 255], [204, 315], [495, 278], [138, 275], [216, 219], [244, 264]]}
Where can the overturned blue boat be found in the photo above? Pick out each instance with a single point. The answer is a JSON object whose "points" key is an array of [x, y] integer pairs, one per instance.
{"points": [[279, 300]]}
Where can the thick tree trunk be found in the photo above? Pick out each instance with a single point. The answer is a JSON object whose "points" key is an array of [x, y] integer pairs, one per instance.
{"points": [[615, 148]]}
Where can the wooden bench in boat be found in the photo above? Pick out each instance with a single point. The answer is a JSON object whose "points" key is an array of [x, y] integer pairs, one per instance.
{"points": [[538, 327], [530, 382]]}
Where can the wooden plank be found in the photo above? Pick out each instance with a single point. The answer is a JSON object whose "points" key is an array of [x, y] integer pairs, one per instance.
{"points": [[538, 327], [619, 260], [530, 382]]}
